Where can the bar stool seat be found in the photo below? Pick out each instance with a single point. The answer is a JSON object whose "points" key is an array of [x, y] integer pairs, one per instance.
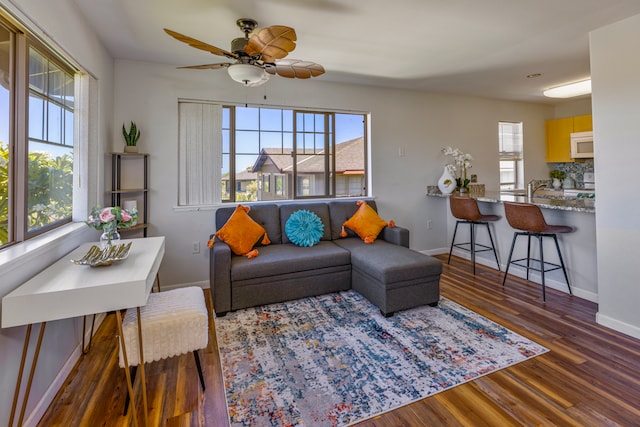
{"points": [[466, 210], [528, 218]]}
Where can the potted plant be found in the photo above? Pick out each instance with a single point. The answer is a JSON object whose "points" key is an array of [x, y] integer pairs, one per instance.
{"points": [[557, 176], [131, 138], [459, 169]]}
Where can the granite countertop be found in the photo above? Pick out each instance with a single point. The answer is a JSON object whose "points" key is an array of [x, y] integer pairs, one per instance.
{"points": [[547, 202]]}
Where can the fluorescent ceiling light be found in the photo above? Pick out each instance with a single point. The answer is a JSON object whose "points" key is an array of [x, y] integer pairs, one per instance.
{"points": [[569, 90]]}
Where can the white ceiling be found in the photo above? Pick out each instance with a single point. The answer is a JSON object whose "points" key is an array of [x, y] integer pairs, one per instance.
{"points": [[473, 47]]}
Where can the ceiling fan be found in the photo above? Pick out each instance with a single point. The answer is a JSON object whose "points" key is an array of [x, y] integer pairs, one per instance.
{"points": [[257, 57]]}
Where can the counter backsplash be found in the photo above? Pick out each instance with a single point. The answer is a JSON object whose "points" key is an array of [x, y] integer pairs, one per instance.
{"points": [[575, 170]]}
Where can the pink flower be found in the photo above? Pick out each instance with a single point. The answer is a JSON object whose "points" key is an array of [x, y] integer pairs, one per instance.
{"points": [[106, 215], [125, 216]]}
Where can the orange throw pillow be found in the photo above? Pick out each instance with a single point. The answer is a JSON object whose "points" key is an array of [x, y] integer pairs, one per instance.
{"points": [[241, 233], [366, 223]]}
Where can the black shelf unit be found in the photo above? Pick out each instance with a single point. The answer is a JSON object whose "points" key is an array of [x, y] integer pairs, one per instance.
{"points": [[117, 192]]}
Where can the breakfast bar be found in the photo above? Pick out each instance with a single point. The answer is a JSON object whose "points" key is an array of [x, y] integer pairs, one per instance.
{"points": [[578, 248]]}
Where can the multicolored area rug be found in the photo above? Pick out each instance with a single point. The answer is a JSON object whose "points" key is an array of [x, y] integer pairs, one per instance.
{"points": [[334, 360]]}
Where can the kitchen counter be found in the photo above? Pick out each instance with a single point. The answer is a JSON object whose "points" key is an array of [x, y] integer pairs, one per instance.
{"points": [[547, 202], [578, 248]]}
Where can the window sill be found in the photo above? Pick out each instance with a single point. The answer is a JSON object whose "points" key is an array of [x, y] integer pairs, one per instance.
{"points": [[197, 208], [28, 253]]}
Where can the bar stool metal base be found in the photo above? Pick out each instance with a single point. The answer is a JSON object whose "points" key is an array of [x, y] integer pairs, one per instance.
{"points": [[473, 246], [540, 264]]}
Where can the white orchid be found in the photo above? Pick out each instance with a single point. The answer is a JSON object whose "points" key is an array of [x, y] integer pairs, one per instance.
{"points": [[462, 163]]}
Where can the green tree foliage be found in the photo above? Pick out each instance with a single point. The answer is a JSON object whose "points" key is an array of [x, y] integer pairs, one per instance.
{"points": [[251, 194], [4, 194], [50, 184]]}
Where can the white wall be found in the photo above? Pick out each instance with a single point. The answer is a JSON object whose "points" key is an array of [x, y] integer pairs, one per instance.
{"points": [[573, 107], [616, 112], [61, 21], [421, 124]]}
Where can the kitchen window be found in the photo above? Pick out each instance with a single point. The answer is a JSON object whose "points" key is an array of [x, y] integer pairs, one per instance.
{"points": [[511, 158]]}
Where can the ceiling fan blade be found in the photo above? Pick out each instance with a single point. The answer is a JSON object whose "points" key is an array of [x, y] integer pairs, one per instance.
{"points": [[207, 66], [295, 69], [200, 45], [272, 42]]}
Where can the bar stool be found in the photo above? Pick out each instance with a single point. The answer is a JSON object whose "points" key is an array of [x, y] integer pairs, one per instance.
{"points": [[465, 209], [528, 218]]}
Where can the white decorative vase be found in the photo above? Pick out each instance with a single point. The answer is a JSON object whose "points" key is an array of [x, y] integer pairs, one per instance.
{"points": [[447, 182], [556, 183]]}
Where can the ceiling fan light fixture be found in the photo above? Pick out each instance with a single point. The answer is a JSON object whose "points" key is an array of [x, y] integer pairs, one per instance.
{"points": [[247, 74], [569, 90]]}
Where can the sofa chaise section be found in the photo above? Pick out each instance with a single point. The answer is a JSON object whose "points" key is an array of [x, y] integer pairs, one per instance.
{"points": [[393, 277]]}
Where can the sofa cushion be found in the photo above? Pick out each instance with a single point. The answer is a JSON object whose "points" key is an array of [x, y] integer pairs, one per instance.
{"points": [[304, 228], [278, 259], [390, 263], [267, 215], [320, 209], [365, 222], [340, 211], [241, 232]]}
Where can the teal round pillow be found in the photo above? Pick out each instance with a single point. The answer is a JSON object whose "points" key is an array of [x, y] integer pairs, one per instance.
{"points": [[304, 228]]}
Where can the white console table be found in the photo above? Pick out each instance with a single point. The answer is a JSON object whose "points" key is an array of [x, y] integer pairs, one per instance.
{"points": [[65, 290]]}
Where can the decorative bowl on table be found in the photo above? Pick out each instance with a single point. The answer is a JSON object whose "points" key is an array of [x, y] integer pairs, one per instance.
{"points": [[97, 257]]}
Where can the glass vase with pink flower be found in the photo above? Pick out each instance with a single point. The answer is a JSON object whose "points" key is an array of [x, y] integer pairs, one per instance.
{"points": [[109, 220]]}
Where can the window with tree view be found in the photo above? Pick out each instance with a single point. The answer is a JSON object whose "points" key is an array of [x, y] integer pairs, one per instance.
{"points": [[277, 154], [36, 138]]}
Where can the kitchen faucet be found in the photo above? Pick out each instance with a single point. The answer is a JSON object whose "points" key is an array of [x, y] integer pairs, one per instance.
{"points": [[531, 189]]}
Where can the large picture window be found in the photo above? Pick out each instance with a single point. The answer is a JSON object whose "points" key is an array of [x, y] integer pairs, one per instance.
{"points": [[36, 137], [274, 153], [309, 153]]}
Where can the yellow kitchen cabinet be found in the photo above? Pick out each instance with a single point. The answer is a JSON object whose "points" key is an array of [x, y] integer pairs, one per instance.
{"points": [[582, 123], [558, 133]]}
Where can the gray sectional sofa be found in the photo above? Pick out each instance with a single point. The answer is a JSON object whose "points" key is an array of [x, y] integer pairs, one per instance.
{"points": [[387, 272]]}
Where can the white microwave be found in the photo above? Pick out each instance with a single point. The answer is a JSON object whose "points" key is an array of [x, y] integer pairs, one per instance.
{"points": [[582, 145]]}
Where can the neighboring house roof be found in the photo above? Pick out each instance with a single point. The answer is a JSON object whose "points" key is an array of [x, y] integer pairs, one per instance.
{"points": [[242, 176], [349, 159]]}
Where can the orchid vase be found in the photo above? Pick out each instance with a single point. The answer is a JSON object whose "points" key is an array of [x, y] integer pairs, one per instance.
{"points": [[447, 182]]}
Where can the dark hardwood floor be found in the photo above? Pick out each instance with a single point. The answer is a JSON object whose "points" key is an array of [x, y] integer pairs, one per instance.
{"points": [[591, 376]]}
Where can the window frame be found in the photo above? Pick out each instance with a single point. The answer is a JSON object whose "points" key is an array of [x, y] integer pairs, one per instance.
{"points": [[229, 142], [22, 41], [516, 157]]}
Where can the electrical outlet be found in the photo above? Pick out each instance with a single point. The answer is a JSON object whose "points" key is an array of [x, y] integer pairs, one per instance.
{"points": [[429, 225], [195, 248]]}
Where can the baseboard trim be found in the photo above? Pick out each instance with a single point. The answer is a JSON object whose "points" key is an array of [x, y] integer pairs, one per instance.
{"points": [[617, 325], [41, 407]]}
